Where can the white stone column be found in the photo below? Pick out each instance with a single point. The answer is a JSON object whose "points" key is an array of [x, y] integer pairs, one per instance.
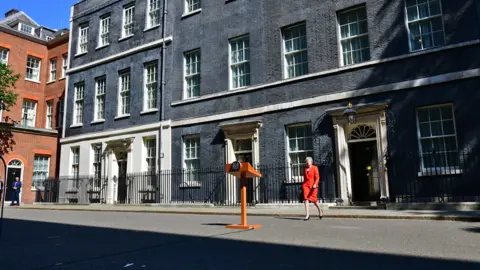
{"points": [[112, 173], [231, 181], [165, 156], [383, 142], [343, 165], [256, 162]]}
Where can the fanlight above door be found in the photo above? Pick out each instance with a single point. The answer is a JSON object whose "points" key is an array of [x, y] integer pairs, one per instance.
{"points": [[362, 132]]}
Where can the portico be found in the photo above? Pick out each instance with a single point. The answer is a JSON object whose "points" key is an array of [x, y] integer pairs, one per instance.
{"points": [[360, 149]]}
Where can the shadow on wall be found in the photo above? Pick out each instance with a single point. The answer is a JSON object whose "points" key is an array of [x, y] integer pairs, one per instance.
{"points": [[457, 16], [6, 142], [62, 246]]}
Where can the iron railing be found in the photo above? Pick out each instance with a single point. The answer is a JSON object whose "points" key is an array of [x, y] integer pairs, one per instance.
{"points": [[77, 190], [434, 177], [278, 185]]}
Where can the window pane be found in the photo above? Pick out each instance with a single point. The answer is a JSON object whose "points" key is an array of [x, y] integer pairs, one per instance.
{"points": [[450, 143], [425, 130], [434, 8], [448, 128], [436, 128], [427, 146], [434, 114]]}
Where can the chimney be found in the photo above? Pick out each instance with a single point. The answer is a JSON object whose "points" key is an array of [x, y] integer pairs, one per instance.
{"points": [[11, 12]]}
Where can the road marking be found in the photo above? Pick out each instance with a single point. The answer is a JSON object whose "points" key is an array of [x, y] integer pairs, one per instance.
{"points": [[128, 265]]}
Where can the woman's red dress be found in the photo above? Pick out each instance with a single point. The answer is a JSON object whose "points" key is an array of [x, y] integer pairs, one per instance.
{"points": [[310, 178]]}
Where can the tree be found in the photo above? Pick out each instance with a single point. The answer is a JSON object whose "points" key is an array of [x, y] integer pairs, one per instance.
{"points": [[8, 97]]}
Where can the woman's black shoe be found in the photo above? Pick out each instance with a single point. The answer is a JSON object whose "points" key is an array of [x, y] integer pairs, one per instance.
{"points": [[305, 219]]}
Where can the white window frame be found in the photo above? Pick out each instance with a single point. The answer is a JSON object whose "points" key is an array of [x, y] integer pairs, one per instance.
{"points": [[82, 40], [4, 52], [97, 163], [189, 177], [100, 92], [191, 4], [34, 65], [29, 118], [103, 31], [49, 115], [189, 94], [286, 54], [341, 39], [150, 87], [78, 105], [150, 154], [128, 21], [233, 65], [32, 29], [437, 170], [428, 18], [75, 161], [124, 89], [153, 11], [290, 165], [40, 171], [53, 69], [64, 65]]}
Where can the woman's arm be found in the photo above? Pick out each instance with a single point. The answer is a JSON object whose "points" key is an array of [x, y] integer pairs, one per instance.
{"points": [[316, 176]]}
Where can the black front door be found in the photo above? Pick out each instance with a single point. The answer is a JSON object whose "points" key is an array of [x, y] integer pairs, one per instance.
{"points": [[247, 157], [12, 173], [364, 176], [122, 196]]}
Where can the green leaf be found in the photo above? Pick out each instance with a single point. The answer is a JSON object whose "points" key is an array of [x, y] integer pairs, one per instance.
{"points": [[8, 79]]}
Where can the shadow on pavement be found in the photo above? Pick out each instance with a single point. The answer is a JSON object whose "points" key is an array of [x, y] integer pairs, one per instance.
{"points": [[215, 224], [473, 230], [40, 245]]}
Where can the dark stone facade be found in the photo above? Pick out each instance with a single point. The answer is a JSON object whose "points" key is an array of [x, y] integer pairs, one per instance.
{"points": [[90, 11]]}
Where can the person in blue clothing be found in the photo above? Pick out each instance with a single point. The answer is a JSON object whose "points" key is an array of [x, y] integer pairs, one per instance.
{"points": [[17, 186]]}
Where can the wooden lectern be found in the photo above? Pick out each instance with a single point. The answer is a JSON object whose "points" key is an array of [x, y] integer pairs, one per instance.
{"points": [[242, 171]]}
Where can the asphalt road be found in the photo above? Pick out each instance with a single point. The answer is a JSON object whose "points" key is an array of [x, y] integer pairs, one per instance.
{"points": [[36, 239]]}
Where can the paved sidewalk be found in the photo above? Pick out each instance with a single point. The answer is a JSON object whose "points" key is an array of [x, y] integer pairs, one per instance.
{"points": [[288, 211]]}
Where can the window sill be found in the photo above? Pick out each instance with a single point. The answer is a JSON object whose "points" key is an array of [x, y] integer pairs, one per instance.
{"points": [[61, 79], [151, 28], [190, 184], [239, 88], [80, 54], [125, 38], [149, 111], [99, 121], [190, 98], [50, 82], [37, 189], [439, 172], [426, 49], [186, 15], [76, 125], [33, 81], [101, 47], [122, 116]]}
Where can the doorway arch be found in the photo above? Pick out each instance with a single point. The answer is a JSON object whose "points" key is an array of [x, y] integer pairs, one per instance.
{"points": [[15, 168]]}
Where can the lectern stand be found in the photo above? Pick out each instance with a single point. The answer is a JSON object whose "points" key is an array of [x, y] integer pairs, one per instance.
{"points": [[242, 171]]}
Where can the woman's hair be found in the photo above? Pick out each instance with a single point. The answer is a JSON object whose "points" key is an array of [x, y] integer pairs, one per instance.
{"points": [[309, 158]]}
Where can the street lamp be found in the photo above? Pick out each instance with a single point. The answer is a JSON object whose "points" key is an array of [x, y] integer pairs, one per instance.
{"points": [[351, 114]]}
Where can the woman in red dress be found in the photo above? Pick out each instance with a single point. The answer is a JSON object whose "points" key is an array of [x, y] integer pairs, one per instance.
{"points": [[311, 179]]}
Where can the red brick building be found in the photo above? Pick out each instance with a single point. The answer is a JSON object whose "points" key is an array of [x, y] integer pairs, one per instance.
{"points": [[39, 55]]}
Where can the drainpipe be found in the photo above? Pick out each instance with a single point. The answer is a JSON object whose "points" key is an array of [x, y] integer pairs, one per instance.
{"points": [[65, 95], [162, 84]]}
